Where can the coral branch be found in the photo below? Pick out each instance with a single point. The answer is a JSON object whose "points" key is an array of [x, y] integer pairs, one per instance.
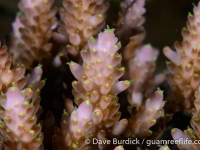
{"points": [[32, 31], [19, 108], [184, 66], [146, 116], [141, 68], [188, 134], [74, 128], [96, 83], [97, 77], [19, 120], [130, 20], [81, 19]]}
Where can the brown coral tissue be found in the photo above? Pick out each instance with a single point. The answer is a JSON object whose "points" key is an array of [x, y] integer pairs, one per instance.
{"points": [[97, 75]]}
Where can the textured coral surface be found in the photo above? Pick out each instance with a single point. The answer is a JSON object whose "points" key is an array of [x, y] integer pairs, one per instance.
{"points": [[76, 72]]}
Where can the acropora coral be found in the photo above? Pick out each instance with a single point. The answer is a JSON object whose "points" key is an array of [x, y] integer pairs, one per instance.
{"points": [[77, 78]]}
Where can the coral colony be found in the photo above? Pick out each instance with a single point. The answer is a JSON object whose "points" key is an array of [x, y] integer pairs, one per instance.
{"points": [[69, 80]]}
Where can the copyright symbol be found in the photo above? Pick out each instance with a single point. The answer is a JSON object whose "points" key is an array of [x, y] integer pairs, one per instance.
{"points": [[87, 141]]}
